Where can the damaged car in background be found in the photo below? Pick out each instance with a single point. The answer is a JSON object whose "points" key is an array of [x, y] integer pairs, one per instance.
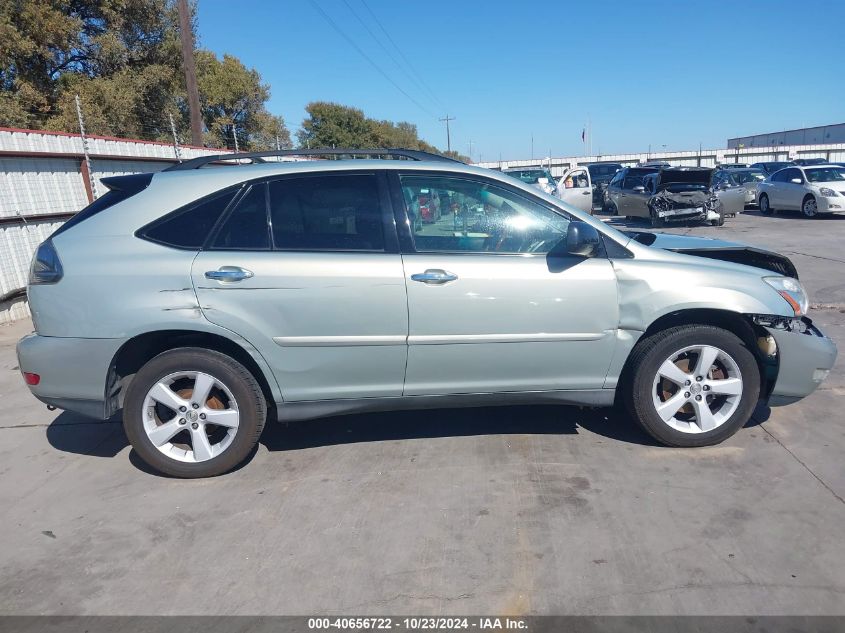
{"points": [[679, 194]]}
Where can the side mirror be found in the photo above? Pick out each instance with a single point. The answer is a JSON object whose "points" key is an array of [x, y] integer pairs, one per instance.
{"points": [[797, 181], [581, 240], [638, 189]]}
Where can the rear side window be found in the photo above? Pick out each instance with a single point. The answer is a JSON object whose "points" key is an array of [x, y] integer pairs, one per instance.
{"points": [[189, 227], [330, 212], [246, 227]]}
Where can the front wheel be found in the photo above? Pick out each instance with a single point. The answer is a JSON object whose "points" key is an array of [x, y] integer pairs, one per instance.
{"points": [[765, 209], [692, 385], [192, 412], [809, 207], [719, 222], [656, 221]]}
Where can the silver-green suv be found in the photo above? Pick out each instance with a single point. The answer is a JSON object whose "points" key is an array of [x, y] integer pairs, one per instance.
{"points": [[206, 298]]}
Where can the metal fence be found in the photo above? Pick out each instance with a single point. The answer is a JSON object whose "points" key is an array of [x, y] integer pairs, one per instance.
{"points": [[45, 179]]}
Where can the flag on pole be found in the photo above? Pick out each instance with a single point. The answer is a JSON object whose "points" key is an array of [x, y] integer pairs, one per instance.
{"points": [[583, 130]]}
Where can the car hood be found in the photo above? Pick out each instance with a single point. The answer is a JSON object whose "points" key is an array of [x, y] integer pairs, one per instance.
{"points": [[722, 250], [836, 185]]}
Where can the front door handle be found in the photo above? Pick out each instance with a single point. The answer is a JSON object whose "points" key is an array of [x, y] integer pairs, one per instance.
{"points": [[434, 276], [229, 273], [586, 193]]}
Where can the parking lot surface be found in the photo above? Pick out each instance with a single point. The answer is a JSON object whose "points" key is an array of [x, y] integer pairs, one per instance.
{"points": [[516, 510]]}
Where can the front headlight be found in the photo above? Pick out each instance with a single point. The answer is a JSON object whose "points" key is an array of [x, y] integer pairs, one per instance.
{"points": [[827, 192], [791, 290]]}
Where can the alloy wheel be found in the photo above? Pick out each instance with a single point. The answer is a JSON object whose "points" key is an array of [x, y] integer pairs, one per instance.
{"points": [[697, 389], [810, 208], [190, 416]]}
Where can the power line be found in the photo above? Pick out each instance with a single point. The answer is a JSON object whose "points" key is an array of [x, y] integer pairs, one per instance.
{"points": [[370, 61], [384, 48], [399, 50]]}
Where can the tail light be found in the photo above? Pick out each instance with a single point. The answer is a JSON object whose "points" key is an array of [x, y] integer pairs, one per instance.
{"points": [[31, 379], [46, 267]]}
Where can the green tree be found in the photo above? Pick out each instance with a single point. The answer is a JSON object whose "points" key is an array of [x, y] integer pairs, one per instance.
{"points": [[336, 125], [123, 58]]}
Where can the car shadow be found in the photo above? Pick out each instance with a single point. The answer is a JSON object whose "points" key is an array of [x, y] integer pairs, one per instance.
{"points": [[797, 215], [72, 433]]}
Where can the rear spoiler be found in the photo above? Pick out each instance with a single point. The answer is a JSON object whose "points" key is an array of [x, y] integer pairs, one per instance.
{"points": [[130, 185]]}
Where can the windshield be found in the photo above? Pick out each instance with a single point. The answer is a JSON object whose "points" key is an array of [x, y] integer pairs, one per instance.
{"points": [[743, 177], [604, 171], [825, 174], [531, 176]]}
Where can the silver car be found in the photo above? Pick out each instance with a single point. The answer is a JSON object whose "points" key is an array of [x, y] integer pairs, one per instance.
{"points": [[202, 301], [747, 179]]}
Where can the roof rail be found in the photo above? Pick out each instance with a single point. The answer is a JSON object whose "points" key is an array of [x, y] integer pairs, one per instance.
{"points": [[258, 157]]}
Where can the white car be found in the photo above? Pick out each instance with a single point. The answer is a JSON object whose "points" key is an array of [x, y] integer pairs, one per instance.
{"points": [[810, 189], [574, 187]]}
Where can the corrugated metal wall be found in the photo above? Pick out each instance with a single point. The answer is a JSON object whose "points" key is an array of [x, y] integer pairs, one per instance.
{"points": [[41, 174]]}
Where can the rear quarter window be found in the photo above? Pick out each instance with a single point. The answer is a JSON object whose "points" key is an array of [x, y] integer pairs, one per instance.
{"points": [[190, 226]]}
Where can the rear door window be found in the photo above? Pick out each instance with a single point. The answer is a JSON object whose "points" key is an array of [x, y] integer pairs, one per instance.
{"points": [[246, 228], [327, 212]]}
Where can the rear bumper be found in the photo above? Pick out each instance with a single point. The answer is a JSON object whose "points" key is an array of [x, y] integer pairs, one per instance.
{"points": [[73, 371], [804, 362]]}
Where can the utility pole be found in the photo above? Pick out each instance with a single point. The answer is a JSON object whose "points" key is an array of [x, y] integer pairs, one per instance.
{"points": [[532, 146], [447, 118], [470, 150], [187, 36], [86, 163]]}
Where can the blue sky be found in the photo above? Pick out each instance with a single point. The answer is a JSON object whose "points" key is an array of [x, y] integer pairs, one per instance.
{"points": [[658, 72]]}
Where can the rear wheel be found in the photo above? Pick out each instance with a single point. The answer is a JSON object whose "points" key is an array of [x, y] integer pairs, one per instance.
{"points": [[193, 412], [765, 209], [693, 385], [719, 222], [809, 207]]}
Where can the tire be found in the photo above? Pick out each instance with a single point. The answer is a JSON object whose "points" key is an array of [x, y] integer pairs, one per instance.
{"points": [[610, 209], [809, 207], [646, 387], [234, 398], [719, 222], [656, 221], [765, 209]]}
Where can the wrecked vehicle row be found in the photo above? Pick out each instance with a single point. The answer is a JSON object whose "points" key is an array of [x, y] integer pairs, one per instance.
{"points": [[674, 194]]}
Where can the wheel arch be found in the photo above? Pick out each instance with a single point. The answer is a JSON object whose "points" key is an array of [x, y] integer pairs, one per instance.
{"points": [[734, 322], [140, 349]]}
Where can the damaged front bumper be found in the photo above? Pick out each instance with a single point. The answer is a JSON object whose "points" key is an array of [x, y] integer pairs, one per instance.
{"points": [[804, 354]]}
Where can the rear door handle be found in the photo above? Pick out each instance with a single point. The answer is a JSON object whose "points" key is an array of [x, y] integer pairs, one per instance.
{"points": [[434, 276], [229, 273]]}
